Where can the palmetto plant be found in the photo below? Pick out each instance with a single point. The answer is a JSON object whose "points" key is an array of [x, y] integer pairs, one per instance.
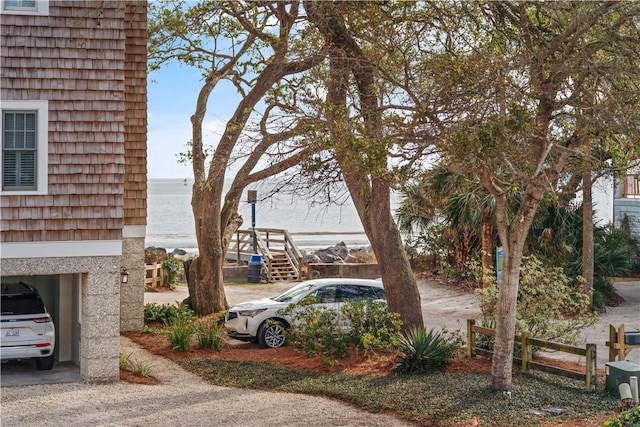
{"points": [[424, 351]]}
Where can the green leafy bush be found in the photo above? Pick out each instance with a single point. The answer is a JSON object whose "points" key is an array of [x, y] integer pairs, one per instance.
{"points": [[165, 313], [209, 334], [373, 327], [180, 333], [315, 330], [550, 305], [174, 270], [318, 330], [424, 351], [628, 418]]}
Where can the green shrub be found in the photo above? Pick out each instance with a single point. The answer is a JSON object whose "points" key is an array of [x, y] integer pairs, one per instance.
{"points": [[174, 270], [425, 351], [153, 330], [181, 332], [124, 360], [315, 330], [209, 334], [165, 313], [373, 327], [628, 418], [550, 307]]}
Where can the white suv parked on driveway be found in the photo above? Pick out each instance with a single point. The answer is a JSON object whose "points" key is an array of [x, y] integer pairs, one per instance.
{"points": [[259, 320], [26, 328]]}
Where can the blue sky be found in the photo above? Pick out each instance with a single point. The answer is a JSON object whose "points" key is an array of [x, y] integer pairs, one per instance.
{"points": [[172, 95]]}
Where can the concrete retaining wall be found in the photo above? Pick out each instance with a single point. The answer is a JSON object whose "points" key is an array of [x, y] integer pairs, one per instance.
{"points": [[234, 273], [361, 271]]}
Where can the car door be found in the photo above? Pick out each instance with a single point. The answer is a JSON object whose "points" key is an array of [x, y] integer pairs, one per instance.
{"points": [[350, 293], [326, 296]]}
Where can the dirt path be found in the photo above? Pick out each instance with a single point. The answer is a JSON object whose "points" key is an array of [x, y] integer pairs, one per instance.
{"points": [[450, 307]]}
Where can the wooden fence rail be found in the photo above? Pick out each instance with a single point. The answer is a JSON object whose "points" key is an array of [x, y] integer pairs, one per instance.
{"points": [[526, 361], [154, 275]]}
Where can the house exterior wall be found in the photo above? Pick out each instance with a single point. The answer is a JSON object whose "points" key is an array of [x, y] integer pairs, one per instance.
{"points": [[629, 208], [74, 59], [89, 220], [626, 203], [135, 182]]}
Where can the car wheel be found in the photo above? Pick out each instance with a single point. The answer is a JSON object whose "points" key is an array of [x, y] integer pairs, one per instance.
{"points": [[272, 334], [44, 363]]}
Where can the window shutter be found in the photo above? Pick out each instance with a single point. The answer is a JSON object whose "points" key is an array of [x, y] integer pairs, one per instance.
{"points": [[9, 169], [27, 176]]}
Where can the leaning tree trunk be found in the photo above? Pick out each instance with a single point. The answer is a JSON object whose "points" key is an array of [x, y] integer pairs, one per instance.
{"points": [[369, 189], [401, 288]]}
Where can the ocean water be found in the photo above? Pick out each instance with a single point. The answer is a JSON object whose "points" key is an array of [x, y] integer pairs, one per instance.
{"points": [[170, 221]]}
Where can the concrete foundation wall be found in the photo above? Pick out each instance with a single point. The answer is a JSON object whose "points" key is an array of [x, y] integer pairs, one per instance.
{"points": [[316, 271], [235, 273], [132, 293], [360, 271]]}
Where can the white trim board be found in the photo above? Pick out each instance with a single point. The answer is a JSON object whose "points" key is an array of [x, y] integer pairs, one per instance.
{"points": [[134, 231], [61, 249]]}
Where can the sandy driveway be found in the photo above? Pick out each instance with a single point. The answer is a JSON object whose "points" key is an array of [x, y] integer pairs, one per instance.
{"points": [[445, 306]]}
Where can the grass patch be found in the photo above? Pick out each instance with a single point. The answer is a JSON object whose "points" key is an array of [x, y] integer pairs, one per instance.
{"points": [[138, 367], [436, 398]]}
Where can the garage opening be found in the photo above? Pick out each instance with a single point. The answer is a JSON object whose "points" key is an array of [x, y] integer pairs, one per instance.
{"points": [[61, 294]]}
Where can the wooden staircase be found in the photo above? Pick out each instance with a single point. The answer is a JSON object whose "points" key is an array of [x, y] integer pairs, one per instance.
{"points": [[283, 269], [277, 248]]}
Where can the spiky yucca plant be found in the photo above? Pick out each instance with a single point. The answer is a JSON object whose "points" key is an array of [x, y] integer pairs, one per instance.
{"points": [[425, 351]]}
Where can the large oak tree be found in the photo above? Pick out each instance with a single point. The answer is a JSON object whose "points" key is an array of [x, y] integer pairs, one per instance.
{"points": [[253, 46]]}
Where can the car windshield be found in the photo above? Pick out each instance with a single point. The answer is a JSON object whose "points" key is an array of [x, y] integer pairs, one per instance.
{"points": [[294, 294]]}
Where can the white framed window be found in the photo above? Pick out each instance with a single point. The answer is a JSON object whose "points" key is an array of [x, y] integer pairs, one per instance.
{"points": [[25, 7], [25, 147]]}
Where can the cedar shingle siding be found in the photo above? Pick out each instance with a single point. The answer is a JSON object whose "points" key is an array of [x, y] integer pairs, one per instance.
{"points": [[75, 59], [135, 187]]}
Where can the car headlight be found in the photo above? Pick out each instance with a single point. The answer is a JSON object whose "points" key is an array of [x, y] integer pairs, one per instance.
{"points": [[251, 313]]}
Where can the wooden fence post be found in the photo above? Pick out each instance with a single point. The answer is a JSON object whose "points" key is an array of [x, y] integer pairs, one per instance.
{"points": [[613, 339], [590, 380], [471, 338], [526, 350]]}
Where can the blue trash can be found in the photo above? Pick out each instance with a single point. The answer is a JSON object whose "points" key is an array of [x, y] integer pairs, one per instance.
{"points": [[255, 268]]}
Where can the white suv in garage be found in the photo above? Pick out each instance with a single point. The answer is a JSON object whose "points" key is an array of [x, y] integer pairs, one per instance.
{"points": [[27, 331]]}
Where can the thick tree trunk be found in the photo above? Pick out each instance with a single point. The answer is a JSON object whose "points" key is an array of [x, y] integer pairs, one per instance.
{"points": [[206, 299], [399, 281], [206, 282], [368, 187], [502, 363], [513, 234]]}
